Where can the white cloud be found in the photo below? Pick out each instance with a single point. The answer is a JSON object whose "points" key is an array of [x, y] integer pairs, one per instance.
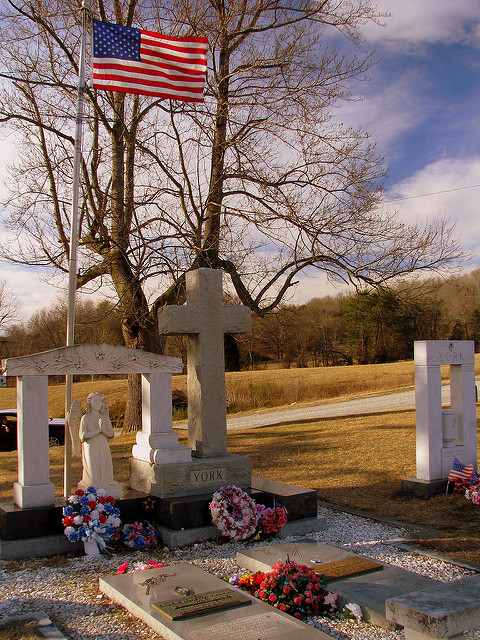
{"points": [[414, 22], [448, 189], [441, 185], [29, 287], [317, 286], [392, 108]]}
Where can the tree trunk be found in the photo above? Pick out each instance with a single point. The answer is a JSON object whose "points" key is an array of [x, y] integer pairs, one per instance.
{"points": [[133, 407], [142, 336]]}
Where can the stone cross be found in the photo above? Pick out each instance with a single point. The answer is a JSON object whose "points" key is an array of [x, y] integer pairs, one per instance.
{"points": [[205, 320]]}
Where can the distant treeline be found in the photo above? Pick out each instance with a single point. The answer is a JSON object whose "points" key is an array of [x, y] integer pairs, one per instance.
{"points": [[357, 328], [368, 327]]}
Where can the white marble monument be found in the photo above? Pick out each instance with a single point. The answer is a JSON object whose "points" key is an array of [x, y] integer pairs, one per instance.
{"points": [[442, 435], [95, 432], [204, 320], [156, 442]]}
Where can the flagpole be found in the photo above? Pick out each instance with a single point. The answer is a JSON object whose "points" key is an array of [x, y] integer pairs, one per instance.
{"points": [[72, 260]]}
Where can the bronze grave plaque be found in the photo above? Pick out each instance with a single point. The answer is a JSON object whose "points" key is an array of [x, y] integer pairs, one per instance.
{"points": [[197, 605], [346, 568]]}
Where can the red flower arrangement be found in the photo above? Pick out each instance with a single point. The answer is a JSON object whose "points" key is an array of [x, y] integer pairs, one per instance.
{"points": [[290, 587], [271, 520]]}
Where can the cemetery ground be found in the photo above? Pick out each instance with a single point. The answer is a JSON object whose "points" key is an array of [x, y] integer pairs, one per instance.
{"points": [[354, 462], [260, 389]]}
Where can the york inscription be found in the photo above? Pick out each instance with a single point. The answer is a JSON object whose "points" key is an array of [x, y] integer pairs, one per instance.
{"points": [[208, 475], [451, 357]]}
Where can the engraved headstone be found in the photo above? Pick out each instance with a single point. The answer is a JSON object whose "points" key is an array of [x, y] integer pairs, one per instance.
{"points": [[204, 320]]}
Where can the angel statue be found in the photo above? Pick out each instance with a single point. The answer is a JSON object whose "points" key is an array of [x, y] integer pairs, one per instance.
{"points": [[74, 416], [95, 431]]}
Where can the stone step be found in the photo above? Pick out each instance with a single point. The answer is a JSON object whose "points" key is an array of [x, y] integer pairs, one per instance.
{"points": [[442, 611]]}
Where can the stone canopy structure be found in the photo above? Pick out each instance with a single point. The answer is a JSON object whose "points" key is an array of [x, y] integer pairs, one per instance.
{"points": [[33, 488]]}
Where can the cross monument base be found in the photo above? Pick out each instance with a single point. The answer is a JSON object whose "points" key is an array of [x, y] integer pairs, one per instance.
{"points": [[202, 475]]}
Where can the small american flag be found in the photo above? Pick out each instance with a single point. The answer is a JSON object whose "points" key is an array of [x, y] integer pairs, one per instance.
{"points": [[131, 60], [460, 471]]}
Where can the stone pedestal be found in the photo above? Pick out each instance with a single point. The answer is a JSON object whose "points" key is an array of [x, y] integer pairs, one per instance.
{"points": [[442, 436], [33, 488], [191, 478], [156, 442]]}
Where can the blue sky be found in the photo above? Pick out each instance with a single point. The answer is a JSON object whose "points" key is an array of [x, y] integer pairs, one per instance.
{"points": [[422, 105], [429, 78]]}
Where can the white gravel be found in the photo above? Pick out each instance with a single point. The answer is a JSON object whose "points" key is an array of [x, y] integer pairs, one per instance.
{"points": [[65, 587]]}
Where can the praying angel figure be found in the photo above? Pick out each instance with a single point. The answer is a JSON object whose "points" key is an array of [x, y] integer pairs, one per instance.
{"points": [[95, 432]]}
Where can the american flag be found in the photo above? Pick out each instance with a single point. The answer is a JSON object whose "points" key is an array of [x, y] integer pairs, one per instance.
{"points": [[460, 471], [131, 60]]}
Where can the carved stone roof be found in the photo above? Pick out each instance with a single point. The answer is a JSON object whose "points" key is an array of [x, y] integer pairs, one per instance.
{"points": [[91, 359]]}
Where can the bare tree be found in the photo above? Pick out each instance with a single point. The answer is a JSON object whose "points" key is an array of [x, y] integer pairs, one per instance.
{"points": [[261, 181], [9, 306]]}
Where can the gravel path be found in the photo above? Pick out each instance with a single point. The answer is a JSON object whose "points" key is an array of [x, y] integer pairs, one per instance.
{"points": [[356, 406], [65, 587]]}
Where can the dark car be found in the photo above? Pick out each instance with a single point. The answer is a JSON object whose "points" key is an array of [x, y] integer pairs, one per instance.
{"points": [[8, 430]]}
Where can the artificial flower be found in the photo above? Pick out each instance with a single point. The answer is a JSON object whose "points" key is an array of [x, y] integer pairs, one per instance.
{"points": [[292, 588], [140, 535], [233, 513], [84, 517]]}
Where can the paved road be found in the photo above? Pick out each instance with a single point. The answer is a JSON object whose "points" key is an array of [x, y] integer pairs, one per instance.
{"points": [[358, 406]]}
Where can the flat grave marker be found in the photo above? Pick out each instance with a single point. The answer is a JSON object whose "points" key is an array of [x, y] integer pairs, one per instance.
{"points": [[256, 621], [369, 590], [346, 568], [192, 606]]}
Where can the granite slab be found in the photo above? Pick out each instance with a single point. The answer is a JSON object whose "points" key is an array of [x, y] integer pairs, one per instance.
{"points": [[300, 502], [255, 621], [445, 610], [369, 590]]}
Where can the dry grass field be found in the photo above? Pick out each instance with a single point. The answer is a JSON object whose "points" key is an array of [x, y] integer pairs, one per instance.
{"points": [[355, 461], [261, 390]]}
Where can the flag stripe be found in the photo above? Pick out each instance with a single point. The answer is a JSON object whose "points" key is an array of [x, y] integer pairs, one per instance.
{"points": [[162, 60], [133, 61], [129, 67], [157, 43], [144, 91], [147, 82], [186, 41], [114, 69]]}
